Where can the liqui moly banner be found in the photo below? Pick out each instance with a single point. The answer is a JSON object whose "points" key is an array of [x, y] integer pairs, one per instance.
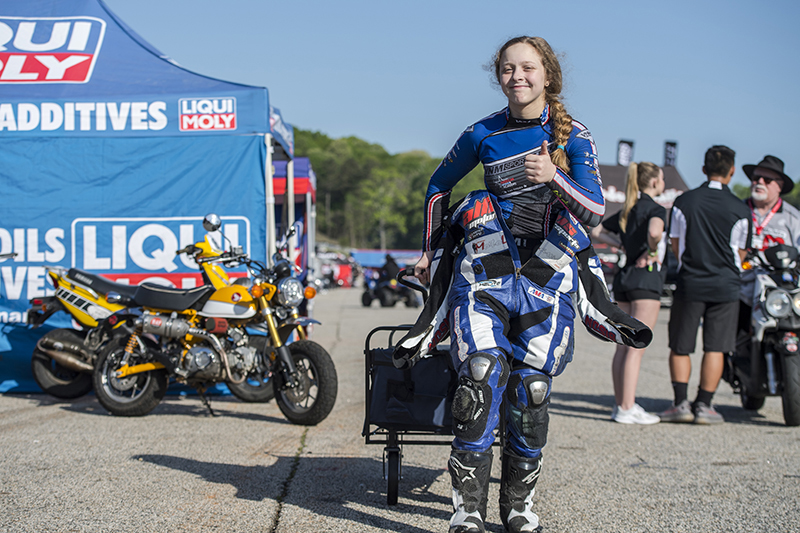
{"points": [[126, 250], [49, 49]]}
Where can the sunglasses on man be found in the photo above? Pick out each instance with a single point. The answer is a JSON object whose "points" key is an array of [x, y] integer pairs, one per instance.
{"points": [[767, 179]]}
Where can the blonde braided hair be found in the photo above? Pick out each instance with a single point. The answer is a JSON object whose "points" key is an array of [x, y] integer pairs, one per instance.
{"points": [[560, 119]]}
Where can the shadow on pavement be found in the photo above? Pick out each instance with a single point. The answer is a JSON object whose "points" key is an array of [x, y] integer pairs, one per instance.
{"points": [[325, 496]]}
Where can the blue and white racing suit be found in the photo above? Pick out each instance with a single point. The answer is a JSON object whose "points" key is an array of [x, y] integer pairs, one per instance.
{"points": [[517, 315]]}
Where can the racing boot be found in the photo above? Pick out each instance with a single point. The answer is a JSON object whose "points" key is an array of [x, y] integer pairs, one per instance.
{"points": [[470, 472], [517, 484]]}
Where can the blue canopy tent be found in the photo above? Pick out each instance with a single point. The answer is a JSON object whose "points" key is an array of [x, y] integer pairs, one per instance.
{"points": [[111, 155], [296, 179]]}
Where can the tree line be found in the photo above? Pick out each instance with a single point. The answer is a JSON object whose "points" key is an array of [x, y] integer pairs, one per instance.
{"points": [[367, 197]]}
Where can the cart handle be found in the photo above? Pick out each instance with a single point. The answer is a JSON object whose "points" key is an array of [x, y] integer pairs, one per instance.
{"points": [[409, 272]]}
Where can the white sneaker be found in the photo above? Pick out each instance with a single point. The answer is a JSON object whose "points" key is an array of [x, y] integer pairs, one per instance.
{"points": [[634, 415]]}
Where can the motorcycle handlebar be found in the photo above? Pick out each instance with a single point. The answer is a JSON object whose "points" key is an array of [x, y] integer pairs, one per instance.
{"points": [[189, 249]]}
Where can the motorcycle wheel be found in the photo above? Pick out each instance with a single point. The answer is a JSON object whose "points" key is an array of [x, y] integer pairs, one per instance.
{"points": [[750, 403], [134, 395], [54, 379], [255, 389], [411, 301], [366, 299], [791, 390], [386, 298], [311, 401]]}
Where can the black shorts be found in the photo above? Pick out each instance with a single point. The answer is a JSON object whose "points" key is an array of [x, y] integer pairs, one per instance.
{"points": [[636, 294], [719, 325], [632, 283]]}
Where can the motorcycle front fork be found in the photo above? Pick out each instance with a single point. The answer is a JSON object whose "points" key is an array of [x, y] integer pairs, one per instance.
{"points": [[772, 380], [287, 368]]}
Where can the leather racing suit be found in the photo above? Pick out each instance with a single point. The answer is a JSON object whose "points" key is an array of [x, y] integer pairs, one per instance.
{"points": [[480, 314], [510, 316], [512, 267]]}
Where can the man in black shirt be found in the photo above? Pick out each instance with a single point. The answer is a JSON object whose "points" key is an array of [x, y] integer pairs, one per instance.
{"points": [[710, 232]]}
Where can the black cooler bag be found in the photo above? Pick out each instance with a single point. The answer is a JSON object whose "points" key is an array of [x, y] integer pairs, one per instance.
{"points": [[415, 399]]}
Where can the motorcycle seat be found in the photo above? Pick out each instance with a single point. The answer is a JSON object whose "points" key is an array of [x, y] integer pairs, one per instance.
{"points": [[160, 297], [100, 284]]}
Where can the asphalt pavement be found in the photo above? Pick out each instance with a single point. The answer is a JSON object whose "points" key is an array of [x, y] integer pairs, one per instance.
{"points": [[72, 467]]}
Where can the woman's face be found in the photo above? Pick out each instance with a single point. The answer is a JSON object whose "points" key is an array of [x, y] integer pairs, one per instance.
{"points": [[523, 80], [660, 183]]}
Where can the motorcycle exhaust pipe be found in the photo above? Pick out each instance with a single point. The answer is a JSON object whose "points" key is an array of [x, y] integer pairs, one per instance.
{"points": [[176, 327], [64, 358], [214, 341]]}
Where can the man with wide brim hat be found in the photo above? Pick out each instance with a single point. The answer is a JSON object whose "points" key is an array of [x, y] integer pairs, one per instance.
{"points": [[769, 168], [774, 220]]}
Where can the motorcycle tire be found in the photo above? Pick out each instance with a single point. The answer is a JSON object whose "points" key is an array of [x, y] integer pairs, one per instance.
{"points": [[791, 390], [386, 298], [751, 403], [366, 299], [134, 395], [411, 301], [312, 400], [54, 379]]}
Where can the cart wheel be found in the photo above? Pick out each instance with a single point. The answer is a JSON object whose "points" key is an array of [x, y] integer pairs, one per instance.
{"points": [[393, 476]]}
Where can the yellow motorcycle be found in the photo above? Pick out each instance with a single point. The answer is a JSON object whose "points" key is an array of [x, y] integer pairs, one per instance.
{"points": [[210, 334], [63, 359]]}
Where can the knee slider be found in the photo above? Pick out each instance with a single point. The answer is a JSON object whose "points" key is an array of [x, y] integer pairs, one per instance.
{"points": [[472, 401], [528, 400]]}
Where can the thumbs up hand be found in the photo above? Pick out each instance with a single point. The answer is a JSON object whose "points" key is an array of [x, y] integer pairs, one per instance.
{"points": [[539, 168]]}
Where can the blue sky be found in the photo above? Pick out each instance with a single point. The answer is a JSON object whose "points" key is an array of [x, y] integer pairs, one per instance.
{"points": [[409, 75]]}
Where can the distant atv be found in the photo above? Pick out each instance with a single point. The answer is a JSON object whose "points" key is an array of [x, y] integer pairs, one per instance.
{"points": [[388, 292]]}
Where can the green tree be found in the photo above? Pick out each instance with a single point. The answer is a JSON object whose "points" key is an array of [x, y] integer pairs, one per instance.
{"points": [[742, 191], [367, 197]]}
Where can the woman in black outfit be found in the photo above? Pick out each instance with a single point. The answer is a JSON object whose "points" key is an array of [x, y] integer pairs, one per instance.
{"points": [[639, 229]]}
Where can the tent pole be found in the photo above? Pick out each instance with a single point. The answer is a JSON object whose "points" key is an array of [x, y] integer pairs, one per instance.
{"points": [[311, 253], [290, 211], [270, 199]]}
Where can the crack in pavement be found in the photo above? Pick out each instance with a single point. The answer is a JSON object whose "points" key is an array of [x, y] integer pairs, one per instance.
{"points": [[292, 472]]}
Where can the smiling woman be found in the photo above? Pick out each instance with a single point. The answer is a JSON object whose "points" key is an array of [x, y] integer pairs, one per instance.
{"points": [[510, 303]]}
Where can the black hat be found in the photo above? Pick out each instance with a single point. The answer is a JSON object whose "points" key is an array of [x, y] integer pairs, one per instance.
{"points": [[774, 164]]}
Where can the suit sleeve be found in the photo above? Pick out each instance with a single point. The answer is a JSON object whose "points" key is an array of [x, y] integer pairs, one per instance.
{"points": [[461, 159], [582, 189], [602, 317]]}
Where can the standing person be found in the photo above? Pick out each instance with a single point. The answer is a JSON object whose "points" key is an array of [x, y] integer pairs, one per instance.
{"points": [[509, 334], [710, 233], [774, 221], [637, 287]]}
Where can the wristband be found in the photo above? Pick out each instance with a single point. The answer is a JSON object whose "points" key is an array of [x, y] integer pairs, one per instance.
{"points": [[652, 253]]}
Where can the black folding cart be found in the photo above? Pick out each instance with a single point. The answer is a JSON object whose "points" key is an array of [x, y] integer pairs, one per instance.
{"points": [[409, 406], [405, 406]]}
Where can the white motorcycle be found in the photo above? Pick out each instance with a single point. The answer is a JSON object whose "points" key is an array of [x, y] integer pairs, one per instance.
{"points": [[767, 358]]}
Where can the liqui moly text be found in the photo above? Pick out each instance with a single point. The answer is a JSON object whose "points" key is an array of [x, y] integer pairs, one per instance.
{"points": [[49, 49]]}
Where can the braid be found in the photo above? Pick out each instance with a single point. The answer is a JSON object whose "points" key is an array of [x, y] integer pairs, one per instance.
{"points": [[562, 129]]}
